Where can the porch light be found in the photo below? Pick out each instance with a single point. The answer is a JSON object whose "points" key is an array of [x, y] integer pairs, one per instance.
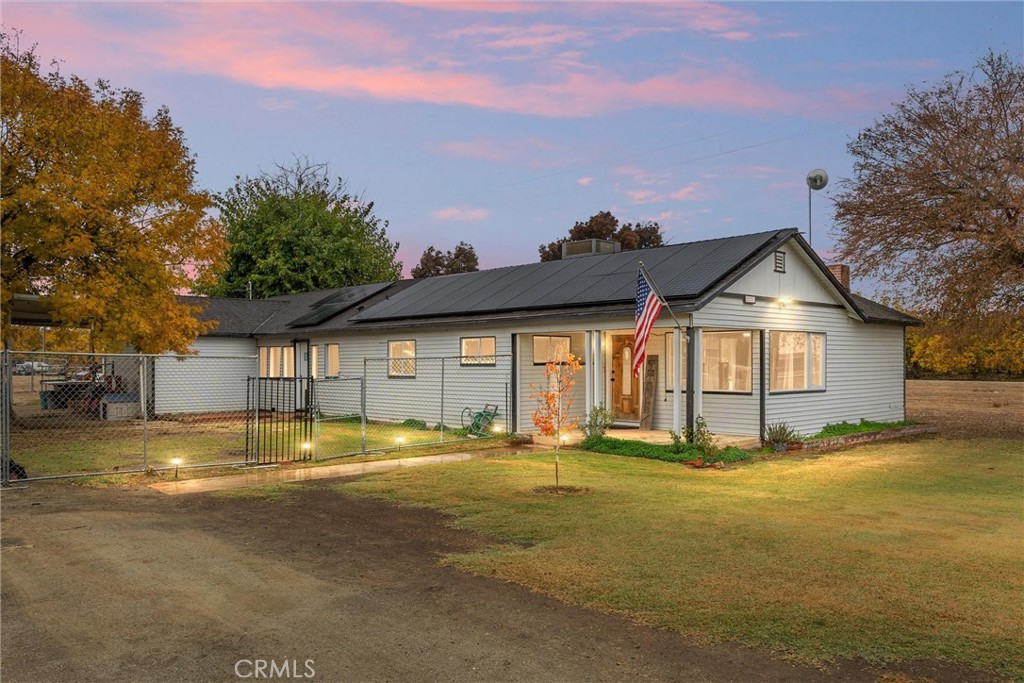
{"points": [[785, 301], [176, 462]]}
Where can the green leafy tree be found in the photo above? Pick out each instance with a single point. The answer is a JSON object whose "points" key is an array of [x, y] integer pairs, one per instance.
{"points": [[435, 262], [100, 212], [605, 226], [933, 209], [297, 230]]}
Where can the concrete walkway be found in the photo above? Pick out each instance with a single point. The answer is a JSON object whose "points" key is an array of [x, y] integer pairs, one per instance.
{"points": [[277, 476]]}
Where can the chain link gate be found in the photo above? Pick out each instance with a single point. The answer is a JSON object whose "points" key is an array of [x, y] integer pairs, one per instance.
{"points": [[281, 419]]}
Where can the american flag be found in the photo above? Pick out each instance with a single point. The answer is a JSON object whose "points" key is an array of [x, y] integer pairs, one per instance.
{"points": [[648, 305]]}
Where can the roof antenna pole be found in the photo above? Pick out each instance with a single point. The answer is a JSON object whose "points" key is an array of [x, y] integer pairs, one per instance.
{"points": [[816, 180]]}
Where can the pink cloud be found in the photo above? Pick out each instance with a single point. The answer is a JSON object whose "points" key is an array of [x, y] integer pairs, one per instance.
{"points": [[462, 214], [324, 48], [735, 35], [584, 181], [688, 193], [528, 151]]}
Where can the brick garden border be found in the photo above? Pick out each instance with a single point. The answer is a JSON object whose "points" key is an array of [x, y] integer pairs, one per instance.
{"points": [[831, 443]]}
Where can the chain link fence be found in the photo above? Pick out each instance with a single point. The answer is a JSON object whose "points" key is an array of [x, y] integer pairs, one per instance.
{"points": [[72, 414], [402, 402], [67, 414]]}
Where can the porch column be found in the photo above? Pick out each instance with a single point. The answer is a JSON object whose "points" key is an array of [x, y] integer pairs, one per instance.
{"points": [[677, 373], [694, 375], [588, 371], [598, 370]]}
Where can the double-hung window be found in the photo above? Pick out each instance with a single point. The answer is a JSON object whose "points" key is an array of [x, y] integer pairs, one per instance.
{"points": [[797, 361], [402, 358]]}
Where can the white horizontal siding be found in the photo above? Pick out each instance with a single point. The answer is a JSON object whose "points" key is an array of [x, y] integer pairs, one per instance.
{"points": [[213, 380], [533, 378]]}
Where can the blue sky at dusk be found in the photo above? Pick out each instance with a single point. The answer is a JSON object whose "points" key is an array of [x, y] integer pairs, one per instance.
{"points": [[503, 124]]}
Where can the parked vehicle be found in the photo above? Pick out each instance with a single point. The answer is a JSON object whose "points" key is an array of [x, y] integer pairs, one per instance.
{"points": [[30, 368]]}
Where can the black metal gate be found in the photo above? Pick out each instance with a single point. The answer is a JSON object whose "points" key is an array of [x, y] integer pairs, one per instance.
{"points": [[280, 419]]}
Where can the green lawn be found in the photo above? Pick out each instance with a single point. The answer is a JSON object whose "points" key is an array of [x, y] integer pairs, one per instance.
{"points": [[106, 447], [895, 551]]}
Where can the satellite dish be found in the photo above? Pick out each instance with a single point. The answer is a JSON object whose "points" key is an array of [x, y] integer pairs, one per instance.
{"points": [[817, 179]]}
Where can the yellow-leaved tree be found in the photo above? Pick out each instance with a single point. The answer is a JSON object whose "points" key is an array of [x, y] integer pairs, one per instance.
{"points": [[100, 212]]}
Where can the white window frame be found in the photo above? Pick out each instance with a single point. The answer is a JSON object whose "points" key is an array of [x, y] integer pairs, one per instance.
{"points": [[670, 373], [735, 370], [402, 358], [550, 351], [809, 370], [473, 353]]}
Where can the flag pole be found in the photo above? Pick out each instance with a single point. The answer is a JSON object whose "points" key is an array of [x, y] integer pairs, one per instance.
{"points": [[650, 281]]}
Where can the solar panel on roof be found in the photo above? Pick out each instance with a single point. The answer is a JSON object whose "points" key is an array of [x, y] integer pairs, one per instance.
{"points": [[336, 303]]}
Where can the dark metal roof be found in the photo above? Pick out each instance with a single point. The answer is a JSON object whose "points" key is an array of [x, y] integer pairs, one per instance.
{"points": [[682, 272], [235, 317], [874, 312], [337, 302]]}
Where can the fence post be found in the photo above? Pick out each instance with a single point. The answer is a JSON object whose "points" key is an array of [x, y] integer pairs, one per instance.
{"points": [[6, 405], [442, 398], [362, 407], [144, 398]]}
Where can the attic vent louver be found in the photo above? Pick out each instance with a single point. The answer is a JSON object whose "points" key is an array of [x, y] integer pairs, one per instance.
{"points": [[780, 262], [589, 248]]}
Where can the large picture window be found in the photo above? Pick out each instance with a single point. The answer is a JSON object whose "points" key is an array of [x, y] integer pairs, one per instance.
{"points": [[550, 349], [797, 361], [402, 358], [728, 358], [477, 351]]}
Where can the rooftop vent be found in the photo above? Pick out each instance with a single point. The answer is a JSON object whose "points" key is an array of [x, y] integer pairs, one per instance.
{"points": [[589, 248]]}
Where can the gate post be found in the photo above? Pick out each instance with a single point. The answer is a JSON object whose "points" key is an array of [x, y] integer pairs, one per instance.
{"points": [[6, 405], [362, 407], [442, 398], [144, 398]]}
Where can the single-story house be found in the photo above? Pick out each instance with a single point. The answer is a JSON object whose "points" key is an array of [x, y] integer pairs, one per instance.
{"points": [[763, 331]]}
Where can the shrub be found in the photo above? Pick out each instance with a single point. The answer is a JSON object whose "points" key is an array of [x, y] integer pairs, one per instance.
{"points": [[780, 433], [598, 422], [413, 424], [700, 436]]}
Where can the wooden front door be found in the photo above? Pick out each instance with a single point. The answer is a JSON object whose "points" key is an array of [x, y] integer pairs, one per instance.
{"points": [[625, 387]]}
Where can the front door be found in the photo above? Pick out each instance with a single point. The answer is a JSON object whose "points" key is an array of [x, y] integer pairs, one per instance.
{"points": [[625, 387]]}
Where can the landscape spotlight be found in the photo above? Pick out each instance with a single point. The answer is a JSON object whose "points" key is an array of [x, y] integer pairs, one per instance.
{"points": [[176, 462], [400, 440]]}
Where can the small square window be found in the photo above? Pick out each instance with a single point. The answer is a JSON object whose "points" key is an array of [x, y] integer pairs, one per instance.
{"points": [[550, 349], [402, 358], [780, 262], [477, 351]]}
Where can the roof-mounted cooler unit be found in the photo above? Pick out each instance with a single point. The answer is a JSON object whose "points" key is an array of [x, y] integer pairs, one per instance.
{"points": [[589, 247]]}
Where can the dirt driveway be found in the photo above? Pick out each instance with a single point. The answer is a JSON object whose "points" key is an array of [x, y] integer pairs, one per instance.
{"points": [[116, 585], [133, 585]]}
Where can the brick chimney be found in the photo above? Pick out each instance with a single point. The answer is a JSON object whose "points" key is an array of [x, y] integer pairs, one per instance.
{"points": [[841, 272]]}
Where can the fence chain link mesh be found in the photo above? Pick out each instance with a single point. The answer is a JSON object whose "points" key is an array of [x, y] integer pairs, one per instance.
{"points": [[72, 414], [79, 413]]}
